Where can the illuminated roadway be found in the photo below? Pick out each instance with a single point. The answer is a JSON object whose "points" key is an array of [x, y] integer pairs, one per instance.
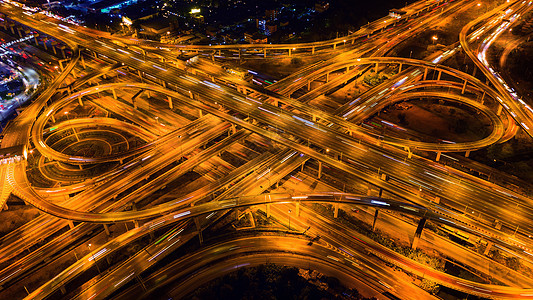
{"points": [[341, 145]]}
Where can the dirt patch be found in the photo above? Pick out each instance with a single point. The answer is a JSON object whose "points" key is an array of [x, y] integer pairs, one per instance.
{"points": [[443, 120], [16, 216]]}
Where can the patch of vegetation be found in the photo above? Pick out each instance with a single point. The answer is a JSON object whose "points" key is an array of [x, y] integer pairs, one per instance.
{"points": [[375, 79], [272, 281]]}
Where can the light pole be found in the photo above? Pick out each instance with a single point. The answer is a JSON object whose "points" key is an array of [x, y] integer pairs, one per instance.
{"points": [[290, 219], [434, 38], [94, 259]]}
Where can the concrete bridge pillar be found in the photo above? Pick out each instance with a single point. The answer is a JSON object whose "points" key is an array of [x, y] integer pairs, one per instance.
{"points": [[418, 232], [375, 219], [425, 73], [438, 156], [290, 52], [106, 229], [169, 102], [319, 169], [499, 111], [464, 87], [312, 50], [440, 73], [487, 249], [264, 53], [199, 229]]}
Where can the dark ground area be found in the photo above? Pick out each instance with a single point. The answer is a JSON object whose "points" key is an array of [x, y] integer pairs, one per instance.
{"points": [[274, 282]]}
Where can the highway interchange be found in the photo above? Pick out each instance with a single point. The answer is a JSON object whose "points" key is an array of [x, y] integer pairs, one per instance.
{"points": [[155, 122]]}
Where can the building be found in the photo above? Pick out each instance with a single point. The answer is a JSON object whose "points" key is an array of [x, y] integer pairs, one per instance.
{"points": [[255, 38], [321, 6], [271, 14], [156, 26], [106, 6], [271, 27]]}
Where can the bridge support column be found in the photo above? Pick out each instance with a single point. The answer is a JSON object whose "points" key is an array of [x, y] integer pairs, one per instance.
{"points": [[302, 167], [319, 169], [71, 225], [82, 61], [314, 118], [464, 87], [327, 77], [297, 209], [309, 85], [440, 73], [376, 68], [438, 156], [53, 119], [467, 153], [475, 70], [148, 94], [487, 249], [114, 94], [268, 210], [336, 211], [499, 111], [275, 101], [140, 74], [334, 46], [400, 70], [75, 135], [106, 229], [312, 50], [418, 232], [264, 53], [290, 52], [375, 219], [239, 54], [63, 290], [169, 102], [199, 113], [425, 73], [199, 229], [483, 98]]}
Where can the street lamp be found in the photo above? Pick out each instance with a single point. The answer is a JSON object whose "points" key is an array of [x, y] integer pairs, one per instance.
{"points": [[290, 219], [434, 38], [94, 259]]}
